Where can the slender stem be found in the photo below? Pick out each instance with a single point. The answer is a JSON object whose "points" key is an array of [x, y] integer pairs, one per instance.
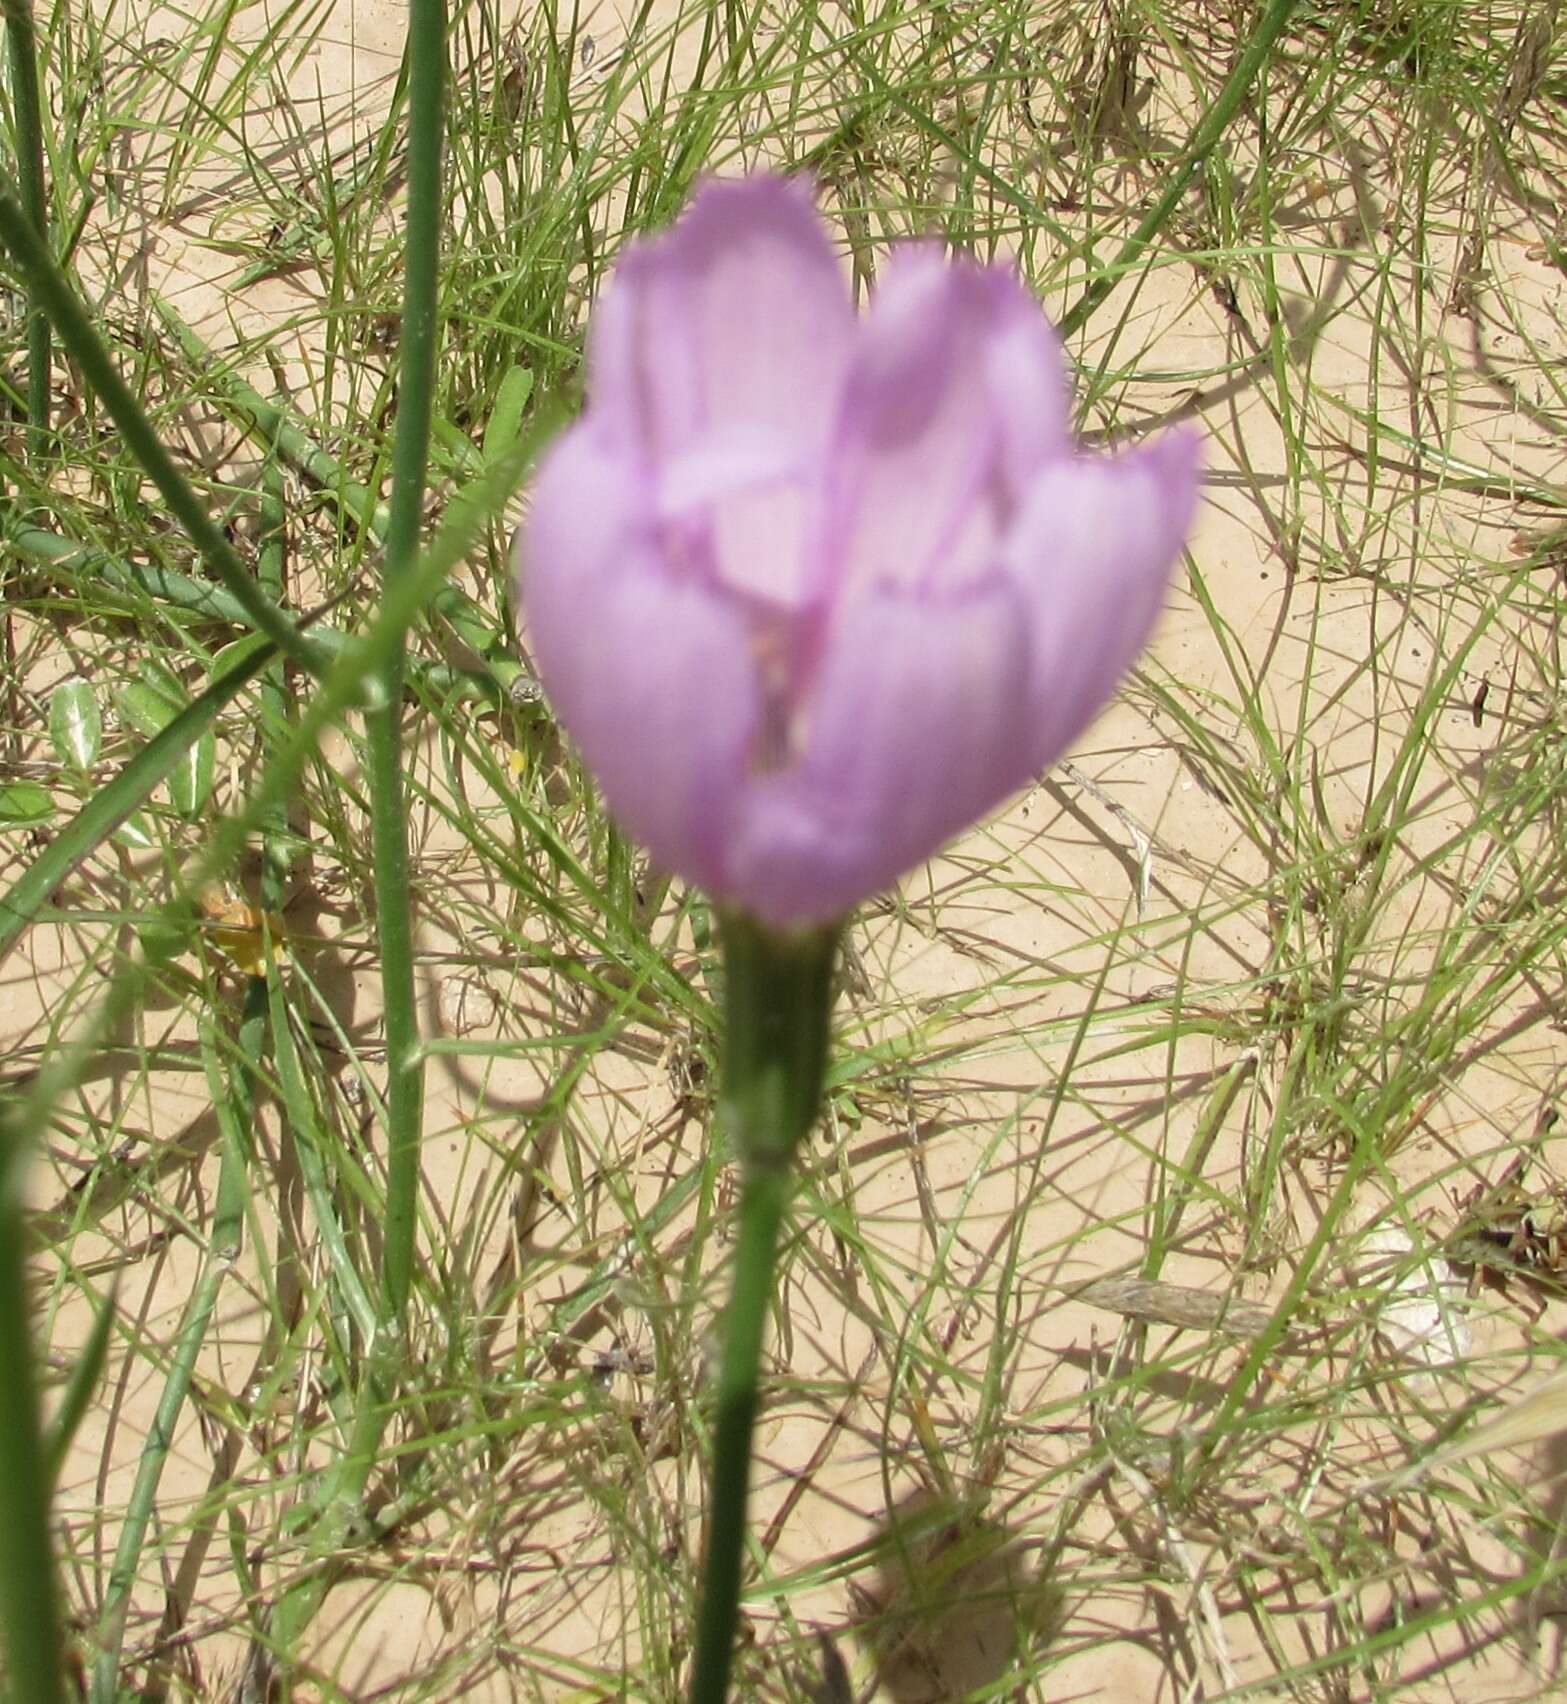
{"points": [[204, 601], [235, 1110], [764, 1192], [273, 420], [1205, 138], [777, 1007], [47, 284], [22, 51], [343, 1492], [235, 1104], [426, 61], [277, 708], [274, 423], [29, 1602]]}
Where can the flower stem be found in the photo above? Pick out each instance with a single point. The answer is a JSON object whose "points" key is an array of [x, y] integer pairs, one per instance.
{"points": [[777, 1003], [763, 1196]]}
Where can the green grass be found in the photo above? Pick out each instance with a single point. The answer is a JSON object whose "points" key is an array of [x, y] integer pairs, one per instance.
{"points": [[1264, 982]]}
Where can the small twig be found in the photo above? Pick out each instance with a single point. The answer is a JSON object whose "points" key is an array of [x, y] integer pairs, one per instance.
{"points": [[1210, 1626]]}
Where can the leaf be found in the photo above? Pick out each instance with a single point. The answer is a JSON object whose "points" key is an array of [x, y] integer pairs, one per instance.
{"points": [[190, 781], [160, 940], [24, 804], [145, 709], [505, 422], [75, 723], [79, 1388], [109, 807], [242, 932], [149, 705], [134, 834]]}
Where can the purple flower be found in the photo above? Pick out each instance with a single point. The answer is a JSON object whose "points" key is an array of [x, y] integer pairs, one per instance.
{"points": [[813, 591]]}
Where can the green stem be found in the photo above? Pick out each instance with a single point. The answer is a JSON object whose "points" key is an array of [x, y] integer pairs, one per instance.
{"points": [[274, 422], [426, 61], [343, 1493], [236, 1112], [777, 1007], [461, 613], [1204, 139], [22, 50], [202, 600], [276, 707], [29, 1604], [47, 285], [764, 1193]]}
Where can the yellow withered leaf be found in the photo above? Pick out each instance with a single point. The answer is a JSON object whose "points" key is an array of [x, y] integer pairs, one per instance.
{"points": [[242, 931]]}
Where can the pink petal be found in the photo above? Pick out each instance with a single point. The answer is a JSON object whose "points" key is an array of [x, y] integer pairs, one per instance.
{"points": [[1092, 552], [651, 674], [734, 324], [912, 735], [956, 397]]}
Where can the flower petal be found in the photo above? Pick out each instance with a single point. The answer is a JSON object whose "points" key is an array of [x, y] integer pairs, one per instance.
{"points": [[733, 325], [1092, 552], [738, 314], [956, 398], [652, 675], [913, 735]]}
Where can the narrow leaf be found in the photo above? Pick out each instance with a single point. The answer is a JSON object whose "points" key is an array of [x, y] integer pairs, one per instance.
{"points": [[190, 781], [135, 833], [75, 723], [108, 808], [79, 1388], [24, 804], [505, 423], [144, 708]]}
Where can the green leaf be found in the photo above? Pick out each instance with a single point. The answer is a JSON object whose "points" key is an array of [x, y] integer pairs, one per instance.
{"points": [[149, 705], [464, 458], [79, 1387], [75, 724], [109, 808], [190, 781], [24, 804], [505, 422], [134, 834], [161, 940], [146, 708]]}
